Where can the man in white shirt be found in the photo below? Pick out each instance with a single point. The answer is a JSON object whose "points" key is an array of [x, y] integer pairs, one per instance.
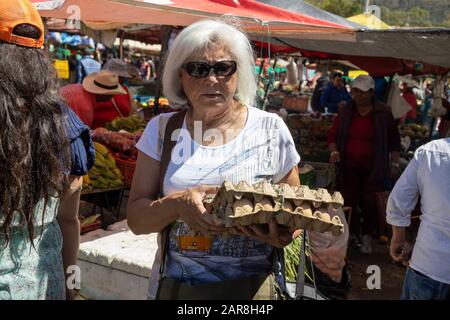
{"points": [[427, 175]]}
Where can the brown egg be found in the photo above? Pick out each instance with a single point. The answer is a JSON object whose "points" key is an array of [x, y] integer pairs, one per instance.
{"points": [[266, 203], [242, 207], [306, 209], [325, 217], [287, 206]]}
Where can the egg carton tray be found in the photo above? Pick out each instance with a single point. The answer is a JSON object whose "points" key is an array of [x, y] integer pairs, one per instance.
{"points": [[299, 207]]}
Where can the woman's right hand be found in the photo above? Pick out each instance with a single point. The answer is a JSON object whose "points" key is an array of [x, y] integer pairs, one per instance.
{"points": [[188, 205]]}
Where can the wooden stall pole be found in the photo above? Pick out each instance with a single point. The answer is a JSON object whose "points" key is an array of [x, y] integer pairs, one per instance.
{"points": [[122, 39], [165, 36]]}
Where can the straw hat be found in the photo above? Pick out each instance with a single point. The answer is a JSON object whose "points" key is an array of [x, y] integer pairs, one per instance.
{"points": [[103, 83]]}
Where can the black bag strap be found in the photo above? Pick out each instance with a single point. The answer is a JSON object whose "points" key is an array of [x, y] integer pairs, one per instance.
{"points": [[175, 122], [300, 285]]}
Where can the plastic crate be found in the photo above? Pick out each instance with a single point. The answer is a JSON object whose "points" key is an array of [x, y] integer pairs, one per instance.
{"points": [[127, 168]]}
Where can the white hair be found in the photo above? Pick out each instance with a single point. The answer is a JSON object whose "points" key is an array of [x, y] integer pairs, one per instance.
{"points": [[195, 39]]}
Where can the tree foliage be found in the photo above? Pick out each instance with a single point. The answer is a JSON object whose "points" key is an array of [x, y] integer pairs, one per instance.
{"points": [[401, 13]]}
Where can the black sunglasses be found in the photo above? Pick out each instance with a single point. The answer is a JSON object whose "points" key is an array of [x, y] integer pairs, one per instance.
{"points": [[199, 69]]}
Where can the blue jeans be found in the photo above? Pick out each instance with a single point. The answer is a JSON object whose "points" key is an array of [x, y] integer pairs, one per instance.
{"points": [[420, 287]]}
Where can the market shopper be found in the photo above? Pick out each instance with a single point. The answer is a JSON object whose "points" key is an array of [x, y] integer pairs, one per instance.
{"points": [[364, 143], [210, 72], [427, 176], [119, 105], [97, 87], [45, 151], [335, 95], [87, 65], [322, 84]]}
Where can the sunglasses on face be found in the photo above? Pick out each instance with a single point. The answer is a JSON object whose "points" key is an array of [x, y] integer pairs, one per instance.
{"points": [[202, 69]]}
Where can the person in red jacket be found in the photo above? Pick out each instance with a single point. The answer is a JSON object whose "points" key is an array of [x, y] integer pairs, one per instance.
{"points": [[97, 87], [119, 105], [365, 144]]}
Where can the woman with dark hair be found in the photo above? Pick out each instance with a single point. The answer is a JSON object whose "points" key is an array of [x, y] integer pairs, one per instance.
{"points": [[44, 149]]}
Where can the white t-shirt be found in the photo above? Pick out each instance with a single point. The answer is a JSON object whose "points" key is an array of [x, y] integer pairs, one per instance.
{"points": [[263, 150]]}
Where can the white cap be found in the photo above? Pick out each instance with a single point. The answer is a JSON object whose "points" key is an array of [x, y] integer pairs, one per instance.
{"points": [[363, 82]]}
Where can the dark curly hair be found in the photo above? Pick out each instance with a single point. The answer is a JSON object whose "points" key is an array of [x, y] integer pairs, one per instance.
{"points": [[34, 148]]}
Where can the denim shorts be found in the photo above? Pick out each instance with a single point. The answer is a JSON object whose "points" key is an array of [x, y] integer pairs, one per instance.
{"points": [[418, 286]]}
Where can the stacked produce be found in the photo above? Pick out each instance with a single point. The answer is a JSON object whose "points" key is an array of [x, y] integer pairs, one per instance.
{"points": [[122, 143], [299, 207], [131, 124], [414, 131], [312, 134], [104, 174]]}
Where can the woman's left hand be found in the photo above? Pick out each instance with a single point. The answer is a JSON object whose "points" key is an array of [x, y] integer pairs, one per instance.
{"points": [[275, 235]]}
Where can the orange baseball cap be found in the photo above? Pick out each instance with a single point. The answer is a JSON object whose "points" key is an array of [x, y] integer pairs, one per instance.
{"points": [[15, 12]]}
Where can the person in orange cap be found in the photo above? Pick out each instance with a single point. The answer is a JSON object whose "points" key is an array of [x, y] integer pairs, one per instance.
{"points": [[45, 149]]}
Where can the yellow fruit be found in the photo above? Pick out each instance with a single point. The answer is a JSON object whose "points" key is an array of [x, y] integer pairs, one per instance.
{"points": [[90, 220], [109, 174], [102, 180], [94, 172], [101, 149], [99, 157], [116, 183], [96, 184], [117, 172], [86, 179], [111, 163], [101, 163]]}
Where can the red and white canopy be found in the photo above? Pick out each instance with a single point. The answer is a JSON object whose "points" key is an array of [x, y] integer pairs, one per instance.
{"points": [[255, 17]]}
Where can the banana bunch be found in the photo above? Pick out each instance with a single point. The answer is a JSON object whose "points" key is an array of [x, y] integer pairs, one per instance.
{"points": [[104, 174], [414, 130], [87, 183], [89, 220], [131, 124]]}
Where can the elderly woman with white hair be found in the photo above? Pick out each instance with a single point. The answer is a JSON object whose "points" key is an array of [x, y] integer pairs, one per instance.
{"points": [[209, 75]]}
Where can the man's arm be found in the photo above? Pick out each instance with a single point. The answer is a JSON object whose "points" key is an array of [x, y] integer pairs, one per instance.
{"points": [[401, 203]]}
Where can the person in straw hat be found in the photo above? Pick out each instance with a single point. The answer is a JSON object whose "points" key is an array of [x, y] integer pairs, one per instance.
{"points": [[119, 105], [96, 87]]}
